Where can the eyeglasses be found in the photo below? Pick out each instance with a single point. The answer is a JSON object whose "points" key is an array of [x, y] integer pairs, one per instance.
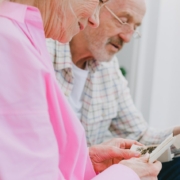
{"points": [[126, 28]]}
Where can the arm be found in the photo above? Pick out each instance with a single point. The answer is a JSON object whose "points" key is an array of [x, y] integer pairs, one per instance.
{"points": [[27, 144], [129, 122], [117, 172]]}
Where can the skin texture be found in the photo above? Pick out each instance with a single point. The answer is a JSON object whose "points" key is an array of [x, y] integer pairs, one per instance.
{"points": [[106, 40], [63, 19], [117, 151], [111, 152], [145, 170], [83, 12]]}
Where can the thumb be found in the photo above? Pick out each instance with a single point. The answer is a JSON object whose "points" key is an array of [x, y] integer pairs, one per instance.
{"points": [[127, 154], [115, 152], [145, 158]]}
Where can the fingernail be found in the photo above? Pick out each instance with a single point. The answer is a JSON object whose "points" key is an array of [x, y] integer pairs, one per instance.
{"points": [[137, 154]]}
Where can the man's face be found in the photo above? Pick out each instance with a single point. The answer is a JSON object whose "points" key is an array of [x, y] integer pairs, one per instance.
{"points": [[106, 40]]}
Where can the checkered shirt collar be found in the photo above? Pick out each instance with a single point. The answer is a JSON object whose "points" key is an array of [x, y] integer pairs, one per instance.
{"points": [[63, 58]]}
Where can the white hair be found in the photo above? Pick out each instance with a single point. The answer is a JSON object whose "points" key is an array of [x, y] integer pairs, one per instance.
{"points": [[63, 5], [1, 1]]}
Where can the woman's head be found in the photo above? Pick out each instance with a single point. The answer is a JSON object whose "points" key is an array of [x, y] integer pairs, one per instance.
{"points": [[65, 18]]}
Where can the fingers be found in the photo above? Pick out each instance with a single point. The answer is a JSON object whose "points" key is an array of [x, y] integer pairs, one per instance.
{"points": [[121, 143], [145, 158], [144, 170], [115, 152], [110, 152], [154, 167], [127, 143], [157, 167], [127, 154], [138, 143]]}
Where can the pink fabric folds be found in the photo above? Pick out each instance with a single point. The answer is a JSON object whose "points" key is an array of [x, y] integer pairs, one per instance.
{"points": [[40, 137]]}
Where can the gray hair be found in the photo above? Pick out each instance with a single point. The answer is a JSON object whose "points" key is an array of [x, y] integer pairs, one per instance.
{"points": [[63, 6], [1, 1]]}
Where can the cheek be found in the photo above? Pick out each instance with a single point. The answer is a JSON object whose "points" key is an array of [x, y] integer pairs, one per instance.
{"points": [[108, 27], [107, 20], [69, 21], [71, 28]]}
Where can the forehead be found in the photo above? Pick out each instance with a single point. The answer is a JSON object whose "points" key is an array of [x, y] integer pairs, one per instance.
{"points": [[134, 9]]}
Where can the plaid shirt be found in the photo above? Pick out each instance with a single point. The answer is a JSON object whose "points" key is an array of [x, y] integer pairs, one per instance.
{"points": [[108, 110]]}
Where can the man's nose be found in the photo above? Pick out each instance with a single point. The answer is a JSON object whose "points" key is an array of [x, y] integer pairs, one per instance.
{"points": [[126, 36]]}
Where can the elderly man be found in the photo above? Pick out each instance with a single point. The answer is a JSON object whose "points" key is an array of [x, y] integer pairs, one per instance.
{"points": [[88, 73]]}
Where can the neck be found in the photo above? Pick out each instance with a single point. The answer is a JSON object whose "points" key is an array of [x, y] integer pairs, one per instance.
{"points": [[79, 51]]}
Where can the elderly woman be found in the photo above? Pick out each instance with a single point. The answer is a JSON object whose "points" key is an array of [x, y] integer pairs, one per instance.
{"points": [[40, 137]]}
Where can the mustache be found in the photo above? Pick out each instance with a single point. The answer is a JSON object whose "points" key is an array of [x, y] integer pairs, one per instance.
{"points": [[117, 41]]}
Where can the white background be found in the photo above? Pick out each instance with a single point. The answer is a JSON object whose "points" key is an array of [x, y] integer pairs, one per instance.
{"points": [[153, 64]]}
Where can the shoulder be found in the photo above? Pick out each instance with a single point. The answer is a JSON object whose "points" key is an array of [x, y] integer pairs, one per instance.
{"points": [[11, 34], [15, 46], [7, 28], [10, 38]]}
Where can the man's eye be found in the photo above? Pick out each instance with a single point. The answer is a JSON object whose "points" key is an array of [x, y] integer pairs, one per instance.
{"points": [[103, 1], [124, 19]]}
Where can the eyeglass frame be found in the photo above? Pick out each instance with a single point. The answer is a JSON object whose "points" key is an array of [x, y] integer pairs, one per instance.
{"points": [[136, 34]]}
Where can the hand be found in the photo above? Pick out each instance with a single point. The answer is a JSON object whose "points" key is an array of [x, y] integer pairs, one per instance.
{"points": [[145, 170], [111, 152], [121, 143], [176, 130]]}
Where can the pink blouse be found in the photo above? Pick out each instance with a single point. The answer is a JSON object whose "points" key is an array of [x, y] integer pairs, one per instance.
{"points": [[40, 137]]}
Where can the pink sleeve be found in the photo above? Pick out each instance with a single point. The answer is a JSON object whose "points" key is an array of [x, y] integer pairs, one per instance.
{"points": [[40, 138], [117, 172]]}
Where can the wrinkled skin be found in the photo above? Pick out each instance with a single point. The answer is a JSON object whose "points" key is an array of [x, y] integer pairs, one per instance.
{"points": [[145, 170], [64, 19], [111, 152], [117, 151], [108, 39]]}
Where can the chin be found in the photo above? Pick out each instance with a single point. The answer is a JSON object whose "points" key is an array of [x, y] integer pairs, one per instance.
{"points": [[105, 58], [65, 39]]}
